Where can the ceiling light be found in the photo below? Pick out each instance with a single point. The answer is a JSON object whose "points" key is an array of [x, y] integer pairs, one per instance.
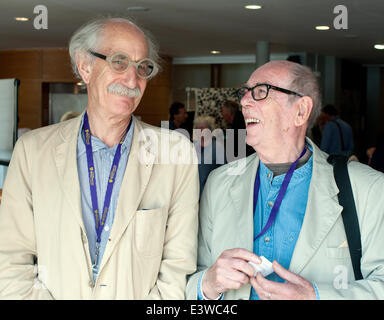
{"points": [[322, 28], [21, 19], [379, 46], [215, 52], [253, 7]]}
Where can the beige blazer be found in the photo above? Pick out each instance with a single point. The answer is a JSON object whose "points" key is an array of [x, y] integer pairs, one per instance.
{"points": [[44, 251], [321, 253]]}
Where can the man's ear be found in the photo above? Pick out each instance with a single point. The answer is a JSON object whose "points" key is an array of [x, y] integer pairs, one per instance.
{"points": [[84, 67], [304, 108]]}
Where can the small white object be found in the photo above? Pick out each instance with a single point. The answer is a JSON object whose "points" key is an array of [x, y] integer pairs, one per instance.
{"points": [[106, 228], [265, 267]]}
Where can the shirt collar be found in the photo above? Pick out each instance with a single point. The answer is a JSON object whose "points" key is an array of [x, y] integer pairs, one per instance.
{"points": [[97, 144], [299, 173]]}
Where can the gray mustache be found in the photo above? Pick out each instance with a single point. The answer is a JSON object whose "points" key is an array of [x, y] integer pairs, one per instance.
{"points": [[117, 88]]}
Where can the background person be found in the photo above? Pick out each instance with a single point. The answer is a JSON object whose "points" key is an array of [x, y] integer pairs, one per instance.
{"points": [[177, 115], [337, 135], [210, 150], [234, 119]]}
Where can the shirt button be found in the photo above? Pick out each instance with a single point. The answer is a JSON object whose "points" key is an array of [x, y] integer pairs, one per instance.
{"points": [[270, 204], [106, 228], [266, 239]]}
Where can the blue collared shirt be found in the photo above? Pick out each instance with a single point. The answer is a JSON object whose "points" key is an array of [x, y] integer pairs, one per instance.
{"points": [[103, 158], [279, 241]]}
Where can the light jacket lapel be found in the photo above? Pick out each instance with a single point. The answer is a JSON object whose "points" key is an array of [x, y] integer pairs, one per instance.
{"points": [[322, 211], [66, 163], [242, 198]]}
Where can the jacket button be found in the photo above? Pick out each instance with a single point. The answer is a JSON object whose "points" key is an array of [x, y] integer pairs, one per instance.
{"points": [[91, 283]]}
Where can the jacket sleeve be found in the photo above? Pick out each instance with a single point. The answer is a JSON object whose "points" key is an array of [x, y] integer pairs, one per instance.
{"points": [[180, 243], [19, 272]]}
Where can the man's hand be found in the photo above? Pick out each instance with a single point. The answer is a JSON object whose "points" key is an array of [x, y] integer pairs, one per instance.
{"points": [[230, 271], [295, 287]]}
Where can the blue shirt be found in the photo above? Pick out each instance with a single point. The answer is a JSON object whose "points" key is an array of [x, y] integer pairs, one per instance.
{"points": [[103, 158], [331, 140], [279, 241]]}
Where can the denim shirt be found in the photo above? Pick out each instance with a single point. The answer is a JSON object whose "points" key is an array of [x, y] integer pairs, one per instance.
{"points": [[103, 158], [279, 241]]}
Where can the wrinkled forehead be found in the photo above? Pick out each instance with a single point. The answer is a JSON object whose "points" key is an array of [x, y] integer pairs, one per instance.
{"points": [[277, 74], [123, 37]]}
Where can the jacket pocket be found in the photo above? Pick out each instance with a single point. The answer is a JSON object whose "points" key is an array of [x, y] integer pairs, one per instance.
{"points": [[338, 253], [150, 231]]}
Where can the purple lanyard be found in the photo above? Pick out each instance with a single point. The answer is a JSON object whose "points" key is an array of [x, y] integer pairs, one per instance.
{"points": [[92, 181], [280, 196]]}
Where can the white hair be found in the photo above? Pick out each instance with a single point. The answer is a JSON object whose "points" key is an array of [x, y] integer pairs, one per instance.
{"points": [[207, 120], [89, 36], [305, 82]]}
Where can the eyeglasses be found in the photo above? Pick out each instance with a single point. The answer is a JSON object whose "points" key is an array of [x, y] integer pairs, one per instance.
{"points": [[119, 62], [260, 91]]}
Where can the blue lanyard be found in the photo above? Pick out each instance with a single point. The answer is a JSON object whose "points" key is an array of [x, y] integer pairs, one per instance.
{"points": [[280, 196], [99, 223]]}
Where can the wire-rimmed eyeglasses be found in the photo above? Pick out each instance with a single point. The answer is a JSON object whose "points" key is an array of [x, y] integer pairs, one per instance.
{"points": [[261, 91], [119, 62]]}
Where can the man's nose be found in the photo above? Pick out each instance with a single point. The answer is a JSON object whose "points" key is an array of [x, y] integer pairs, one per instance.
{"points": [[130, 77], [246, 98]]}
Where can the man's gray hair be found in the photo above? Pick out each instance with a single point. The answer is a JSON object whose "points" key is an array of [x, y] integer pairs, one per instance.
{"points": [[305, 82], [207, 120], [89, 36]]}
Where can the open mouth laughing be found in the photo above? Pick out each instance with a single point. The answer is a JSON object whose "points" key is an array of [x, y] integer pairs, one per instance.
{"points": [[250, 121]]}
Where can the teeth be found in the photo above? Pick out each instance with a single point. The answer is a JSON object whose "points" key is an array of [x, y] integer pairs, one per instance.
{"points": [[252, 120]]}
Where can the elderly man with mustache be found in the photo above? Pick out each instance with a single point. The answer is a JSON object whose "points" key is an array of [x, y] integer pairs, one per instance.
{"points": [[90, 208]]}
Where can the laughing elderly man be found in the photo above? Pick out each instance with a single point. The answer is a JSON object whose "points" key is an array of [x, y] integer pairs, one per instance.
{"points": [[87, 212], [284, 206]]}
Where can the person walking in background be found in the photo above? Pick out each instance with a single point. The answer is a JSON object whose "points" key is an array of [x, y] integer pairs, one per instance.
{"points": [[337, 135]]}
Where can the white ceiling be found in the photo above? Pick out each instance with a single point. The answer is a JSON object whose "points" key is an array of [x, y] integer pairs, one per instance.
{"points": [[187, 28]]}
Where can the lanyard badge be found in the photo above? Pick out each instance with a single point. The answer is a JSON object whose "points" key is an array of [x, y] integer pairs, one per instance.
{"points": [[280, 196], [100, 217]]}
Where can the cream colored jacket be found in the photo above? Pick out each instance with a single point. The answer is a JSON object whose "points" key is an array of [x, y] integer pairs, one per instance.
{"points": [[44, 251], [321, 253]]}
